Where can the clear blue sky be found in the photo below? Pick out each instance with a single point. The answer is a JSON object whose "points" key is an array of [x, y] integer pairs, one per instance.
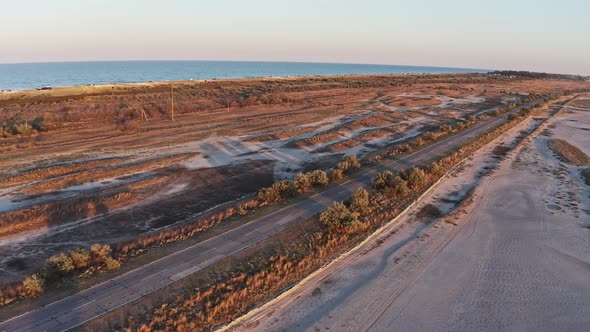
{"points": [[541, 35]]}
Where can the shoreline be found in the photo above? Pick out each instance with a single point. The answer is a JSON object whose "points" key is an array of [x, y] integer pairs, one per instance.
{"points": [[62, 73], [76, 90]]}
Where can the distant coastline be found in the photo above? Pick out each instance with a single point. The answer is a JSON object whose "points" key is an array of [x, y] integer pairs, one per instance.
{"points": [[30, 76]]}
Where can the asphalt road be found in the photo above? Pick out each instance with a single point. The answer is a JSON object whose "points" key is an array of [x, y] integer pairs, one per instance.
{"points": [[91, 303]]}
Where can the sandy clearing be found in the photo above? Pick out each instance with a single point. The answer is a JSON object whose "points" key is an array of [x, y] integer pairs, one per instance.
{"points": [[512, 263]]}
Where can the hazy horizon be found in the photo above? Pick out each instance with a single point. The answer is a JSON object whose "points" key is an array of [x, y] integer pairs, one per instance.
{"points": [[544, 36]]}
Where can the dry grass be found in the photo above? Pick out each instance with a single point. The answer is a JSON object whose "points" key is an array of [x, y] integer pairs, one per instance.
{"points": [[41, 173], [60, 212], [569, 153], [92, 175]]}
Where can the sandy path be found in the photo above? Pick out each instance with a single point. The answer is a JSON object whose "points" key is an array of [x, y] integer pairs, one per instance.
{"points": [[512, 263]]}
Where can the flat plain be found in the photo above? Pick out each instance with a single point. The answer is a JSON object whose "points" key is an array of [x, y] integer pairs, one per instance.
{"points": [[117, 164]]}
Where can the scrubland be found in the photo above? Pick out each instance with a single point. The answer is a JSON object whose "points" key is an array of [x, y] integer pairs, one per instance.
{"points": [[118, 166]]}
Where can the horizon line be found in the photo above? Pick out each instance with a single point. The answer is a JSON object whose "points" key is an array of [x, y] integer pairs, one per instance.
{"points": [[250, 61]]}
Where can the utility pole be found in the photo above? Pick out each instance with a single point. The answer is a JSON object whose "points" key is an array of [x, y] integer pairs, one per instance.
{"points": [[348, 91], [172, 101]]}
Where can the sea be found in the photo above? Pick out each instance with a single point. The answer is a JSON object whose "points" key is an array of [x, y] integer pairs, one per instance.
{"points": [[25, 76]]}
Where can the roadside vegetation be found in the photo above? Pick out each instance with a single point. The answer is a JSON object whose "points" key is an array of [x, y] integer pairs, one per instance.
{"points": [[79, 261]]}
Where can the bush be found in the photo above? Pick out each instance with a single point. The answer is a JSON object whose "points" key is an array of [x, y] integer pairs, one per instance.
{"points": [[382, 180], [359, 201], [416, 178], [278, 191], [58, 266], [446, 128], [336, 174], [100, 253], [405, 148], [348, 164], [339, 217], [112, 264], [23, 129], [318, 178], [34, 285], [400, 186], [435, 169], [428, 136], [80, 258], [302, 182], [419, 141]]}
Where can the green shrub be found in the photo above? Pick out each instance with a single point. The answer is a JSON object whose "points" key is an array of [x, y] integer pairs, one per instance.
{"points": [[336, 174], [416, 178], [278, 191], [348, 164], [302, 182], [58, 266], [359, 201], [383, 179], [318, 178], [339, 217], [435, 169], [400, 186]]}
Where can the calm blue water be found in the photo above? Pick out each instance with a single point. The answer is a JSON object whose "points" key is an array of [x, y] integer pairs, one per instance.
{"points": [[35, 75]]}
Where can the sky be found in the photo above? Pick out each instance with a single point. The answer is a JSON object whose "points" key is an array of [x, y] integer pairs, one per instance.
{"points": [[538, 35]]}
